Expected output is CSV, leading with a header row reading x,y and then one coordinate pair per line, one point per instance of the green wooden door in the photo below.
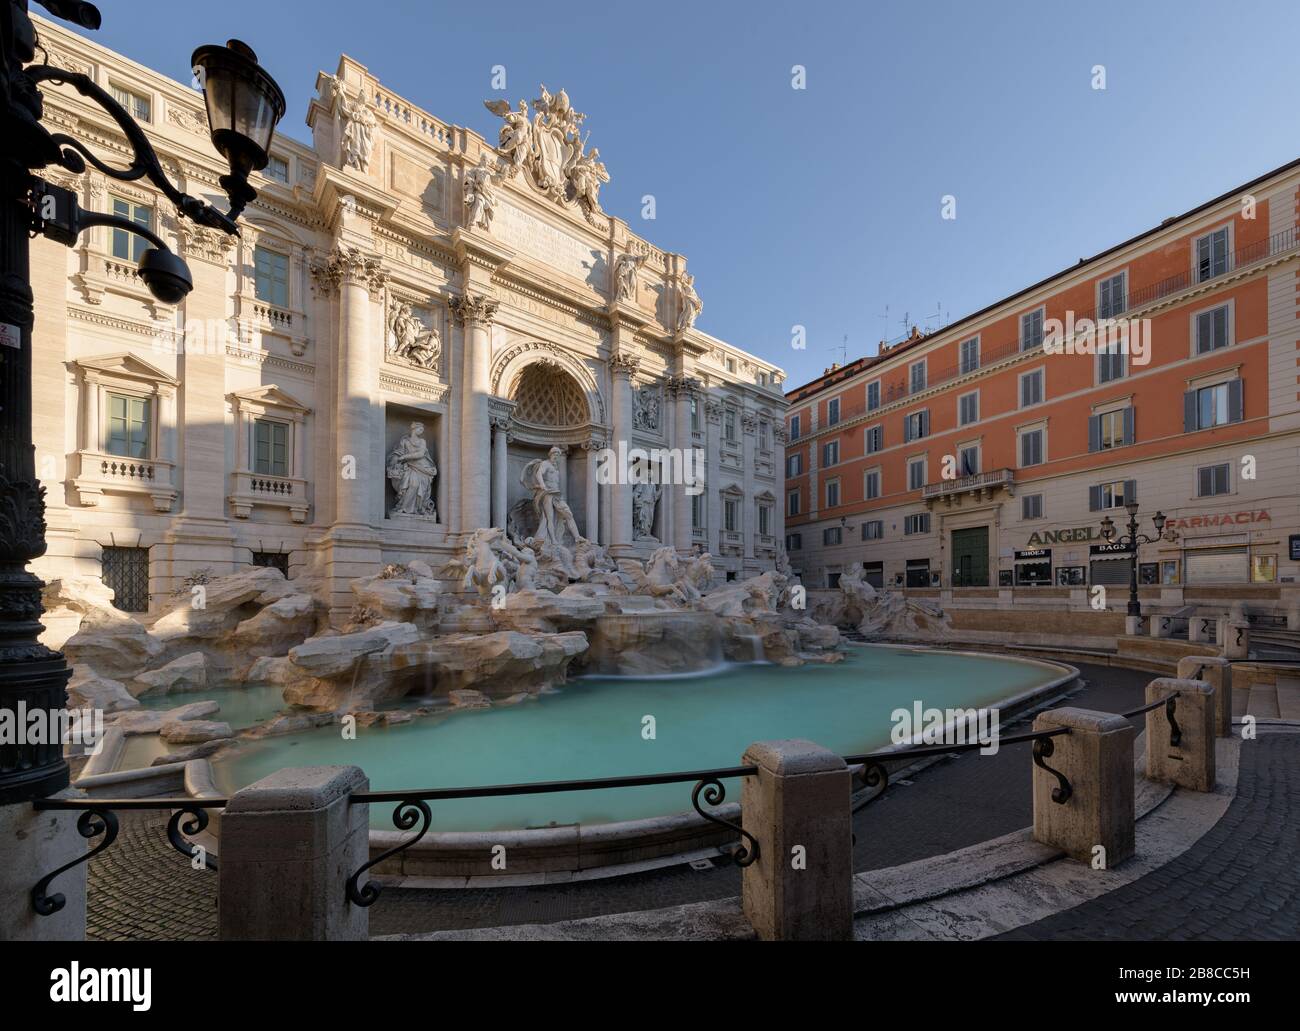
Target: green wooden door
x,y
970,557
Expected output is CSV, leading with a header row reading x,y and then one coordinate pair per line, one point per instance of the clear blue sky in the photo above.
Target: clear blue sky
x,y
822,206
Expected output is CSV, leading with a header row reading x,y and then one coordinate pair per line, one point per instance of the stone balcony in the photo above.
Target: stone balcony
x,y
977,487
251,489
101,473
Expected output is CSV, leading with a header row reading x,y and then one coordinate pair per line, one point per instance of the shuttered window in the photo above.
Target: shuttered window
x,y
1031,506
1210,406
875,439
1116,494
970,355
1031,448
1110,430
916,474
871,485
917,377
1110,364
873,395
1212,255
1213,479
1031,329
1031,388
968,409
916,426
1112,297
1212,329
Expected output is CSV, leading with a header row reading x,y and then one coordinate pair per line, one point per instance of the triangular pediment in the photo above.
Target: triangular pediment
x,y
272,396
128,365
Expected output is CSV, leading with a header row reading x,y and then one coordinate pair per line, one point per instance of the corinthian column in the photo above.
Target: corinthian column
x,y
592,528
357,274
682,389
623,366
475,314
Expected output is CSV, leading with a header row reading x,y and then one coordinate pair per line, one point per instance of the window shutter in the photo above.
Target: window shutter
x,y
1094,433
1204,331
925,423
1189,411
1129,434
1234,401
907,428
1221,326
1130,491
1094,499
1204,482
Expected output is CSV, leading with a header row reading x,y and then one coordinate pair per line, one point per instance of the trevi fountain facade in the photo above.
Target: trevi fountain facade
x,y
436,434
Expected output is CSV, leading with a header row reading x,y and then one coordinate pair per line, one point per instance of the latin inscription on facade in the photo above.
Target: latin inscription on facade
x,y
518,229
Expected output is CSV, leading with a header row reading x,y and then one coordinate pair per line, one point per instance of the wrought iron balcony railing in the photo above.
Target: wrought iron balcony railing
x,y
975,481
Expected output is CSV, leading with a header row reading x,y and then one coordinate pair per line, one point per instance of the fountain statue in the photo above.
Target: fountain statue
x,y
411,471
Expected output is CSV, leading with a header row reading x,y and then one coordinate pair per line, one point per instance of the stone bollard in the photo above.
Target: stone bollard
x,y
1200,629
1190,763
33,844
797,806
1217,672
1161,626
1133,625
1236,640
288,845
1096,757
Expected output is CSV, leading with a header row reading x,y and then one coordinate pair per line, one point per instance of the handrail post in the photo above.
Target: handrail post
x,y
33,843
1183,757
798,807
289,842
1217,672
1096,823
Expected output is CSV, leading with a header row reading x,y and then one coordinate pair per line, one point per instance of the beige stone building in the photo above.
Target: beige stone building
x,y
403,271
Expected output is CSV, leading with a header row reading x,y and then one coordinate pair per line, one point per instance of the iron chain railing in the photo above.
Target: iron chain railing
x,y
190,815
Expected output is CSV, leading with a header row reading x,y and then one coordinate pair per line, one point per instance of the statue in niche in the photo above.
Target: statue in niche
x,y
644,498
411,472
625,276
691,304
480,195
554,517
413,341
645,408
358,128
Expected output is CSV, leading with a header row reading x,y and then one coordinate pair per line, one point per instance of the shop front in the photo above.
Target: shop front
x,y
1034,567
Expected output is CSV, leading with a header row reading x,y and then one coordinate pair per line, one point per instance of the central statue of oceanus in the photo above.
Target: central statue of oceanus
x,y
555,522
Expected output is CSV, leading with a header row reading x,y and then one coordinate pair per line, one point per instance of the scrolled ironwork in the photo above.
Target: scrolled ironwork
x,y
874,775
176,833
1175,731
1043,749
406,815
714,794
90,824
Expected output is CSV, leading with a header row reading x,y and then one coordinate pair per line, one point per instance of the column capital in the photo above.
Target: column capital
x,y
624,363
470,308
348,265
682,386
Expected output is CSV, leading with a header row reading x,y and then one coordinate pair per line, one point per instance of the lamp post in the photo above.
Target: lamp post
x,y
1133,539
244,104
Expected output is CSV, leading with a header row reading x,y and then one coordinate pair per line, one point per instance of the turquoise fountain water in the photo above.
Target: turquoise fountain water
x,y
594,727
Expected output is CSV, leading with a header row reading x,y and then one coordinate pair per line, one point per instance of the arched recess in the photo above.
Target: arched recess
x,y
512,363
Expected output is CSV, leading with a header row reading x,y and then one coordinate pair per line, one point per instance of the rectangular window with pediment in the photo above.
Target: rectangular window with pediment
x,y
270,447
126,245
128,426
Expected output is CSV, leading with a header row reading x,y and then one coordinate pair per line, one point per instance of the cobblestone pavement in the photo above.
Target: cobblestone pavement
x,y
141,888
1240,881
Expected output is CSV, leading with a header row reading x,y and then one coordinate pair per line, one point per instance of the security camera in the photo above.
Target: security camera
x,y
166,275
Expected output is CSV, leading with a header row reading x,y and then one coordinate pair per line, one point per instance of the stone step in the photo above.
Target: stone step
x,y
1288,698
1263,701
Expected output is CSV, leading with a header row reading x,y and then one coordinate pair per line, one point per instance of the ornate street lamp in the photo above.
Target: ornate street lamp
x,y
1133,539
244,104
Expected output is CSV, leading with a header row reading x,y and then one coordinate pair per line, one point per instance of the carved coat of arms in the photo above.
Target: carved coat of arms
x,y
550,150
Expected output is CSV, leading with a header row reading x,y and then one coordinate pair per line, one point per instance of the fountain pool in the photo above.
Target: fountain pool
x,y
597,727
